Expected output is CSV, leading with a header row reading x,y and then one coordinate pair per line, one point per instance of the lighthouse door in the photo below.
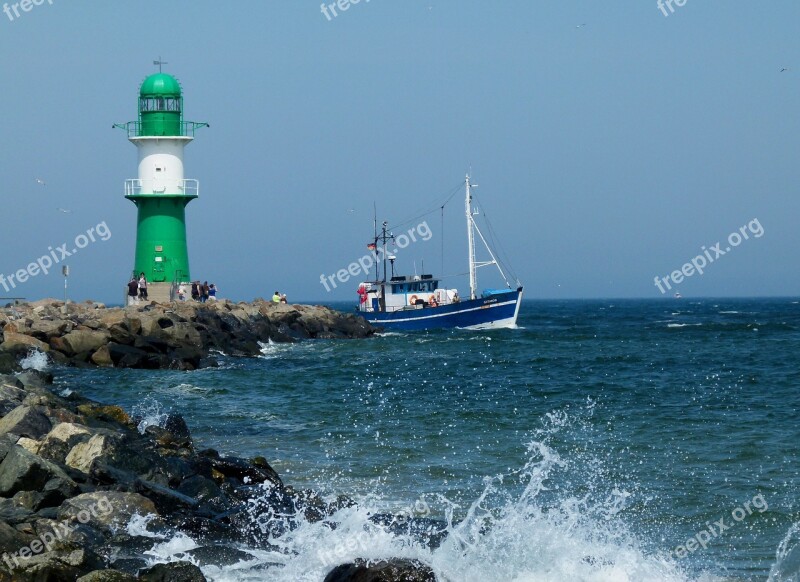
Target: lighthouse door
x,y
159,266
158,180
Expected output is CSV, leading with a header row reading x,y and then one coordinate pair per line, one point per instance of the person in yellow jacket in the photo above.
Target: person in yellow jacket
x,y
276,298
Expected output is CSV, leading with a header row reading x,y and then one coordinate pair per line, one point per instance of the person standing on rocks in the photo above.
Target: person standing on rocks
x,y
133,291
212,291
276,298
196,290
204,292
142,287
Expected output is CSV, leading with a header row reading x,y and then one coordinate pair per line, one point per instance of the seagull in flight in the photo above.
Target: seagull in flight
x,y
581,25
64,210
784,69
40,181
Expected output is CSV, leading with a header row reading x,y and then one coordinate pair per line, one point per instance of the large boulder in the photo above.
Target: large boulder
x,y
125,356
65,564
106,510
18,343
8,363
84,454
61,439
11,540
394,570
21,470
7,441
183,333
172,572
85,341
11,394
44,329
102,357
28,421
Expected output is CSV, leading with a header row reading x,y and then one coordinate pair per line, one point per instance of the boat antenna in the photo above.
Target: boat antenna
x,y
383,236
441,235
375,233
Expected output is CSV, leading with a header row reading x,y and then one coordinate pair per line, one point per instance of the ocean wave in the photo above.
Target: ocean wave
x,y
518,527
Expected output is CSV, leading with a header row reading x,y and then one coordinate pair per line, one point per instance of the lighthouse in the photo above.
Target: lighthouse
x,y
161,192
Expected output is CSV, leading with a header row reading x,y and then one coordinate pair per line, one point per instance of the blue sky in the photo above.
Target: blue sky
x,y
607,154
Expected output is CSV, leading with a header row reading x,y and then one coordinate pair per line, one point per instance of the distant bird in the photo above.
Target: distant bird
x,y
40,181
64,210
581,25
351,210
784,69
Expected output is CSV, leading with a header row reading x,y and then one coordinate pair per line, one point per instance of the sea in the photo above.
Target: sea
x,y
603,440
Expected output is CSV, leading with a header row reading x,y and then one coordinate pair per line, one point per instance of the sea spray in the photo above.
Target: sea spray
x,y
787,558
150,412
35,360
529,524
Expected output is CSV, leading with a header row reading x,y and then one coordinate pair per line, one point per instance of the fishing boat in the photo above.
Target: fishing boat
x,y
420,302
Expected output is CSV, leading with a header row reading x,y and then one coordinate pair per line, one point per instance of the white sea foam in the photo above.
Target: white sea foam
x,y
137,526
166,550
35,360
151,412
787,563
519,528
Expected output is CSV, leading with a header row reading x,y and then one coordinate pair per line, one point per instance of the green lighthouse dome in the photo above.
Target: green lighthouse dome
x,y
160,106
160,85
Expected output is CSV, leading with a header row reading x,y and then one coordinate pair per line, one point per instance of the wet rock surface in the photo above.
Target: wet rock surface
x,y
84,495
396,570
179,335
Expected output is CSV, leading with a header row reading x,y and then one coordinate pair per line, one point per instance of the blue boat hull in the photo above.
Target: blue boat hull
x,y
493,312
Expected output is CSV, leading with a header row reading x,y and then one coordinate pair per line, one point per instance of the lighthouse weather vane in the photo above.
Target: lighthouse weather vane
x,y
159,62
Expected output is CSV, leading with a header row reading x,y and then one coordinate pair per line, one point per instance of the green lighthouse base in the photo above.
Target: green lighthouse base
x,y
161,250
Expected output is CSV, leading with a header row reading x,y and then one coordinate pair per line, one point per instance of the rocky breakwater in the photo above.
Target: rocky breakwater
x,y
181,335
86,491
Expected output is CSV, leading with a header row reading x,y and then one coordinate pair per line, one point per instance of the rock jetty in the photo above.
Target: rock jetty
x,y
74,475
180,335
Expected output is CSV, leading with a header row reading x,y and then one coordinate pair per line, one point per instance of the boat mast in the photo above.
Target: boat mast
x,y
473,283
384,237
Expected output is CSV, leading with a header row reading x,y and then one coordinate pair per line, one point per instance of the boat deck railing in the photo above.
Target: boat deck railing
x,y
366,308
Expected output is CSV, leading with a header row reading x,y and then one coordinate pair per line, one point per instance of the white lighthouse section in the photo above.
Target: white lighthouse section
x,y
161,167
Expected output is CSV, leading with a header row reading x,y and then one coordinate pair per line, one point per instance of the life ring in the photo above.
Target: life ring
x,y
432,301
413,300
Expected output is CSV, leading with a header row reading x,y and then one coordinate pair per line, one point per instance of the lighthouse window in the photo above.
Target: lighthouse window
x,y
172,104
